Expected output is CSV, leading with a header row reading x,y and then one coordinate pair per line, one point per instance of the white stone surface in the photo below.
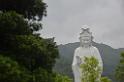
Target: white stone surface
x,y
85,50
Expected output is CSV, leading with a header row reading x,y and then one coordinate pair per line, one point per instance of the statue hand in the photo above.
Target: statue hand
x,y
78,60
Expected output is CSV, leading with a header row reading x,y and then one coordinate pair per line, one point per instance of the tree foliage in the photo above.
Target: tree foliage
x,y
91,71
20,43
105,79
41,75
10,71
28,8
62,78
38,51
120,69
11,24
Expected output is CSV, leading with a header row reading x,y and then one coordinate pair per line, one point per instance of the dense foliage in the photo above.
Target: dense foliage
x,y
24,55
105,79
27,48
10,71
91,71
120,69
28,8
41,75
62,78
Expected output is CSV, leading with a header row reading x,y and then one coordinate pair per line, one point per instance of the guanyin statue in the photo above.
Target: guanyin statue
x,y
84,50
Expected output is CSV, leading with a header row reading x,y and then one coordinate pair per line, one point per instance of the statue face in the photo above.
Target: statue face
x,y
85,40
86,37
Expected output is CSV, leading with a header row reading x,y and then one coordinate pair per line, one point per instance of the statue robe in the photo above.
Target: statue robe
x,y
82,52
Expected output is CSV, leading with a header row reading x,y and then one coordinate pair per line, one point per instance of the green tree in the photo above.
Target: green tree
x,y
91,71
41,75
105,79
11,24
120,69
31,9
20,42
62,78
10,71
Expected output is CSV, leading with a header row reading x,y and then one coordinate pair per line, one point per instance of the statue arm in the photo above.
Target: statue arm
x,y
75,67
74,59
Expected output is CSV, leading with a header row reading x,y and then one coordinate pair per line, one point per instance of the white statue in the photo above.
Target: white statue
x,y
85,50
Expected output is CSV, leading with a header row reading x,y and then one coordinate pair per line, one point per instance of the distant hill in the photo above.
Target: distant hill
x,y
109,55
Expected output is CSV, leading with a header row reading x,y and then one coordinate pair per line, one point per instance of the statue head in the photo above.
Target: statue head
x,y
85,37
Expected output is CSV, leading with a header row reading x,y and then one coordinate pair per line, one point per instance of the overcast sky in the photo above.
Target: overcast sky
x,y
66,18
